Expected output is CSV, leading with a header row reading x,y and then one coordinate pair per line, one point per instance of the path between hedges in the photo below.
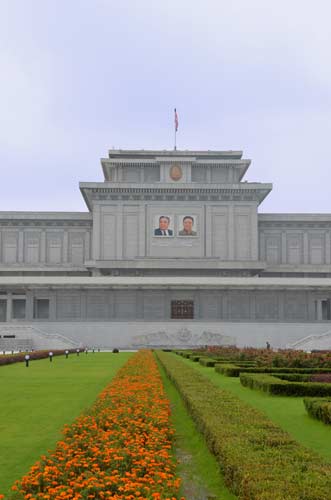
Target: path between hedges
x,y
288,412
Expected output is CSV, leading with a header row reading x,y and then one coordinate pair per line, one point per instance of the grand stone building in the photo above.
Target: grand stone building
x,y
171,251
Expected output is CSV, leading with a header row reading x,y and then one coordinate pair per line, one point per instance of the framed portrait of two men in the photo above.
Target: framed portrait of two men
x,y
169,225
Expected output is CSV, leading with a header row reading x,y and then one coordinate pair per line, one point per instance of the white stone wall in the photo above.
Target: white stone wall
x,y
35,246
126,231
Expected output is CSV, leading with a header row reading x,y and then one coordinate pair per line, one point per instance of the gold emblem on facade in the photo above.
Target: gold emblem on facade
x,y
176,172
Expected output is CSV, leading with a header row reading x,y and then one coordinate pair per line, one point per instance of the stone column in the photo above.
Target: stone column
x,y
96,232
9,306
231,233
43,247
284,252
87,242
119,232
196,305
20,246
327,256
65,253
305,248
139,303
29,305
52,305
319,309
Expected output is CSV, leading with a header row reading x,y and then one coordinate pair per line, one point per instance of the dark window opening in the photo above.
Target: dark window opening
x,y
326,309
19,308
3,310
41,309
182,309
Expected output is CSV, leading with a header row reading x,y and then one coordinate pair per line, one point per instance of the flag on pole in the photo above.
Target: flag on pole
x,y
176,120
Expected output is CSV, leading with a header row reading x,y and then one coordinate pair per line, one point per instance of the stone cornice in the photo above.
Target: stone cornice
x,y
142,153
170,192
176,263
73,216
46,219
111,163
184,283
297,217
26,223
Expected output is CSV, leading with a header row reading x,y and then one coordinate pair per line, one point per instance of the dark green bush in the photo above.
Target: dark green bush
x,y
293,377
195,357
228,370
233,370
276,386
258,459
207,362
186,354
319,409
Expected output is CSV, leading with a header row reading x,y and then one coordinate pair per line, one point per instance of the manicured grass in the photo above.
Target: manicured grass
x,y
288,412
36,402
197,466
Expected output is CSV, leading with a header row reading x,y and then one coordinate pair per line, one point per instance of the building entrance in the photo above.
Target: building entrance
x,y
182,309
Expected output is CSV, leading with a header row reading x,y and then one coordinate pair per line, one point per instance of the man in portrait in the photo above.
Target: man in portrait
x,y
163,229
188,223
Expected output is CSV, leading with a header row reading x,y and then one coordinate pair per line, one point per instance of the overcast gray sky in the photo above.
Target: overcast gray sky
x,y
82,76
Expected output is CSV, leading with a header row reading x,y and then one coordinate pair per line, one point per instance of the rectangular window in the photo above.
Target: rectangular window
x,y
41,309
19,308
3,310
182,309
326,310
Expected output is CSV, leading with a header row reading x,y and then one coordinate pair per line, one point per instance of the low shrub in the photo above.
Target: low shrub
x,y
319,408
234,370
207,362
277,386
186,354
293,377
228,370
258,459
8,359
321,377
195,357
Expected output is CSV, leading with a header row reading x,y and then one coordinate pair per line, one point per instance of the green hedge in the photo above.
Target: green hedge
x,y
319,408
276,386
195,357
258,459
294,377
207,362
229,370
186,354
234,369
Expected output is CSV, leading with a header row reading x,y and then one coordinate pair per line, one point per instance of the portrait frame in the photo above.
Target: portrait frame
x,y
159,226
188,230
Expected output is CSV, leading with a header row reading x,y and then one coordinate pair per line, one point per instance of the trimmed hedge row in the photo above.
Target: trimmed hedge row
x,y
234,370
276,386
207,362
195,357
8,359
258,459
319,409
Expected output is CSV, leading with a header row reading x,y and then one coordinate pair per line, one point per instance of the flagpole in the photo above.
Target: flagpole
x,y
176,128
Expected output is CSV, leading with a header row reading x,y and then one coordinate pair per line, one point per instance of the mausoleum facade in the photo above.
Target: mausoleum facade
x,y
172,250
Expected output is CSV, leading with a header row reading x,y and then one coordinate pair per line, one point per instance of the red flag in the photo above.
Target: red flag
x,y
176,120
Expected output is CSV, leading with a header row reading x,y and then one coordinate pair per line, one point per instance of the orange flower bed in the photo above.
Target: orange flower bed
x,y
120,449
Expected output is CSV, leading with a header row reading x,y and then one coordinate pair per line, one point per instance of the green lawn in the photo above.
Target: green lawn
x,y
198,468
36,402
288,412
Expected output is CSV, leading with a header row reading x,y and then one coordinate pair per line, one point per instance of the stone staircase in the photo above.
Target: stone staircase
x,y
29,337
311,342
